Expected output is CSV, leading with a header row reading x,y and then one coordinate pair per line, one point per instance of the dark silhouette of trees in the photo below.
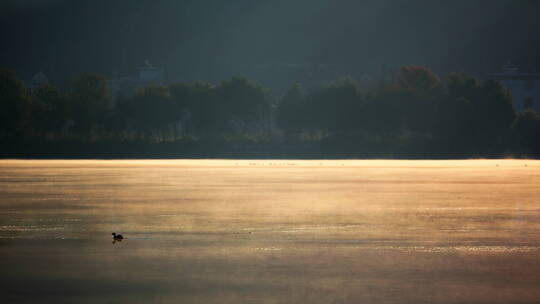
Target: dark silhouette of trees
x,y
338,107
419,90
477,116
204,116
461,116
90,103
418,79
49,110
181,95
334,109
495,113
197,109
526,133
384,113
413,114
152,112
290,116
14,105
242,103
455,116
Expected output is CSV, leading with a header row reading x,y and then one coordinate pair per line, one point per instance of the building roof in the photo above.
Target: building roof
x,y
510,71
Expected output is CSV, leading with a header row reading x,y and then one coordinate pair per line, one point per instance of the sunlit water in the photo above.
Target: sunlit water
x,y
245,231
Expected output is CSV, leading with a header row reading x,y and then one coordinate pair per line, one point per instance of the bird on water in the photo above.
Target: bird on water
x,y
117,237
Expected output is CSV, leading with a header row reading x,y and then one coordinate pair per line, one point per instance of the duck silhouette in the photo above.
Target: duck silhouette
x,y
117,237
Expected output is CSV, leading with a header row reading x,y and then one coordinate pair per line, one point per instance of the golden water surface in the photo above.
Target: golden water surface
x,y
270,231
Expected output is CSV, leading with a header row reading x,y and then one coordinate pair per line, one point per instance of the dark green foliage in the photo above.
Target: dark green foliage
x,y
89,103
215,111
241,99
180,95
50,110
198,109
413,115
204,110
241,104
462,117
332,109
384,115
526,133
290,106
495,109
475,115
419,90
417,79
153,108
13,105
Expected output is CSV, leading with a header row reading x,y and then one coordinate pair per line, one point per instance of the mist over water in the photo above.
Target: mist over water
x,y
272,231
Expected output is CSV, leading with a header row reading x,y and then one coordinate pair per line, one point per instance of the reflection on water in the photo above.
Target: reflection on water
x,y
276,231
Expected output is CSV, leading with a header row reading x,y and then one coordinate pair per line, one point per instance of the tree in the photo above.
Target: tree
x,y
241,102
119,121
152,110
90,102
344,107
526,132
454,121
13,103
336,108
291,111
417,79
49,110
496,108
384,112
181,95
205,113
419,90
460,85
476,116
455,128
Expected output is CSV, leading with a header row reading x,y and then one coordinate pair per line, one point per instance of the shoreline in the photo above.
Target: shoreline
x,y
223,150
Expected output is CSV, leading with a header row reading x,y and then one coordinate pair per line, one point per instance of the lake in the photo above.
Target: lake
x,y
270,231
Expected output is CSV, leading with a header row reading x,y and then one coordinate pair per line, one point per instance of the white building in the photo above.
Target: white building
x,y
38,80
525,87
128,86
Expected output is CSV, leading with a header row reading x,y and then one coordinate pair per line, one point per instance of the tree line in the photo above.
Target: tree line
x,y
413,114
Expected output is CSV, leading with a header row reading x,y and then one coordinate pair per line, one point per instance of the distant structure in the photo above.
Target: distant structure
x,y
128,86
38,80
525,87
366,82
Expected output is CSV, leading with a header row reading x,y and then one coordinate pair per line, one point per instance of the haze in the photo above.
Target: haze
x,y
318,40
274,231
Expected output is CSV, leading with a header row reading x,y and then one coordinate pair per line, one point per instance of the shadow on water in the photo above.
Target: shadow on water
x,y
114,241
